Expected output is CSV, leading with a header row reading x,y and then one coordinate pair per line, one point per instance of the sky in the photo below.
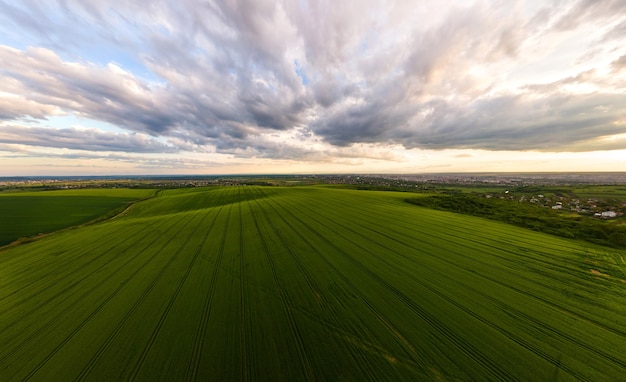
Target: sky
x,y
95,87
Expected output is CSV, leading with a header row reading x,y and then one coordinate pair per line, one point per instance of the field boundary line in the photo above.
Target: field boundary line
x,y
31,239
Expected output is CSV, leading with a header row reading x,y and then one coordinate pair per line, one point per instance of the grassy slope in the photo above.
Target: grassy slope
x,y
30,213
256,283
528,215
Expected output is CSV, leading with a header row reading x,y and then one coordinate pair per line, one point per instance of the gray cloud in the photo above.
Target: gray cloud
x,y
616,33
232,74
585,11
559,123
81,139
619,64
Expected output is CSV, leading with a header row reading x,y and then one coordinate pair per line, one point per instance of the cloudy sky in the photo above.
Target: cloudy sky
x,y
304,86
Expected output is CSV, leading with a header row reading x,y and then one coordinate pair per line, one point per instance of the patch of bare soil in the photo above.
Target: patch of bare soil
x,y
598,273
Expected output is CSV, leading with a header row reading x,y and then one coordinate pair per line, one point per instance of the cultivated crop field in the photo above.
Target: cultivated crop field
x,y
30,213
308,283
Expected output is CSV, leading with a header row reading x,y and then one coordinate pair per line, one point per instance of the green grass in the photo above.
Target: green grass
x,y
26,214
308,283
601,192
528,215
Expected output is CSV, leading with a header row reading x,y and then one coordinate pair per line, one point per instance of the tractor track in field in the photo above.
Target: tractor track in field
x,y
104,346
50,323
91,315
181,283
440,222
287,304
341,286
481,275
60,292
307,276
450,232
198,346
535,323
310,280
504,307
410,303
511,287
472,352
59,261
538,325
400,338
352,337
313,286
447,228
244,329
83,265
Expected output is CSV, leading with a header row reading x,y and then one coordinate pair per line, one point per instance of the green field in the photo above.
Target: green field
x,y
30,213
601,192
308,283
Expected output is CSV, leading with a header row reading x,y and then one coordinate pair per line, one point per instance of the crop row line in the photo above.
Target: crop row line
x,y
460,344
198,346
538,324
96,357
310,280
449,230
245,329
84,322
174,297
425,243
63,291
471,351
54,321
550,303
437,219
410,350
286,302
62,263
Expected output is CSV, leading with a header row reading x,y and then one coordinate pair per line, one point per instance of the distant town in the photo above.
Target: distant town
x,y
405,180
521,187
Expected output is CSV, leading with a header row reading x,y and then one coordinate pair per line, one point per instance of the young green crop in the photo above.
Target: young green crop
x,y
308,283
26,214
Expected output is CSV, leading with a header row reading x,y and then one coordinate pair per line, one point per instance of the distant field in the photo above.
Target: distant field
x,y
308,283
601,192
30,213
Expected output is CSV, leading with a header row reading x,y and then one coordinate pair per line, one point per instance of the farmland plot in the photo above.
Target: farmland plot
x,y
308,283
30,213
